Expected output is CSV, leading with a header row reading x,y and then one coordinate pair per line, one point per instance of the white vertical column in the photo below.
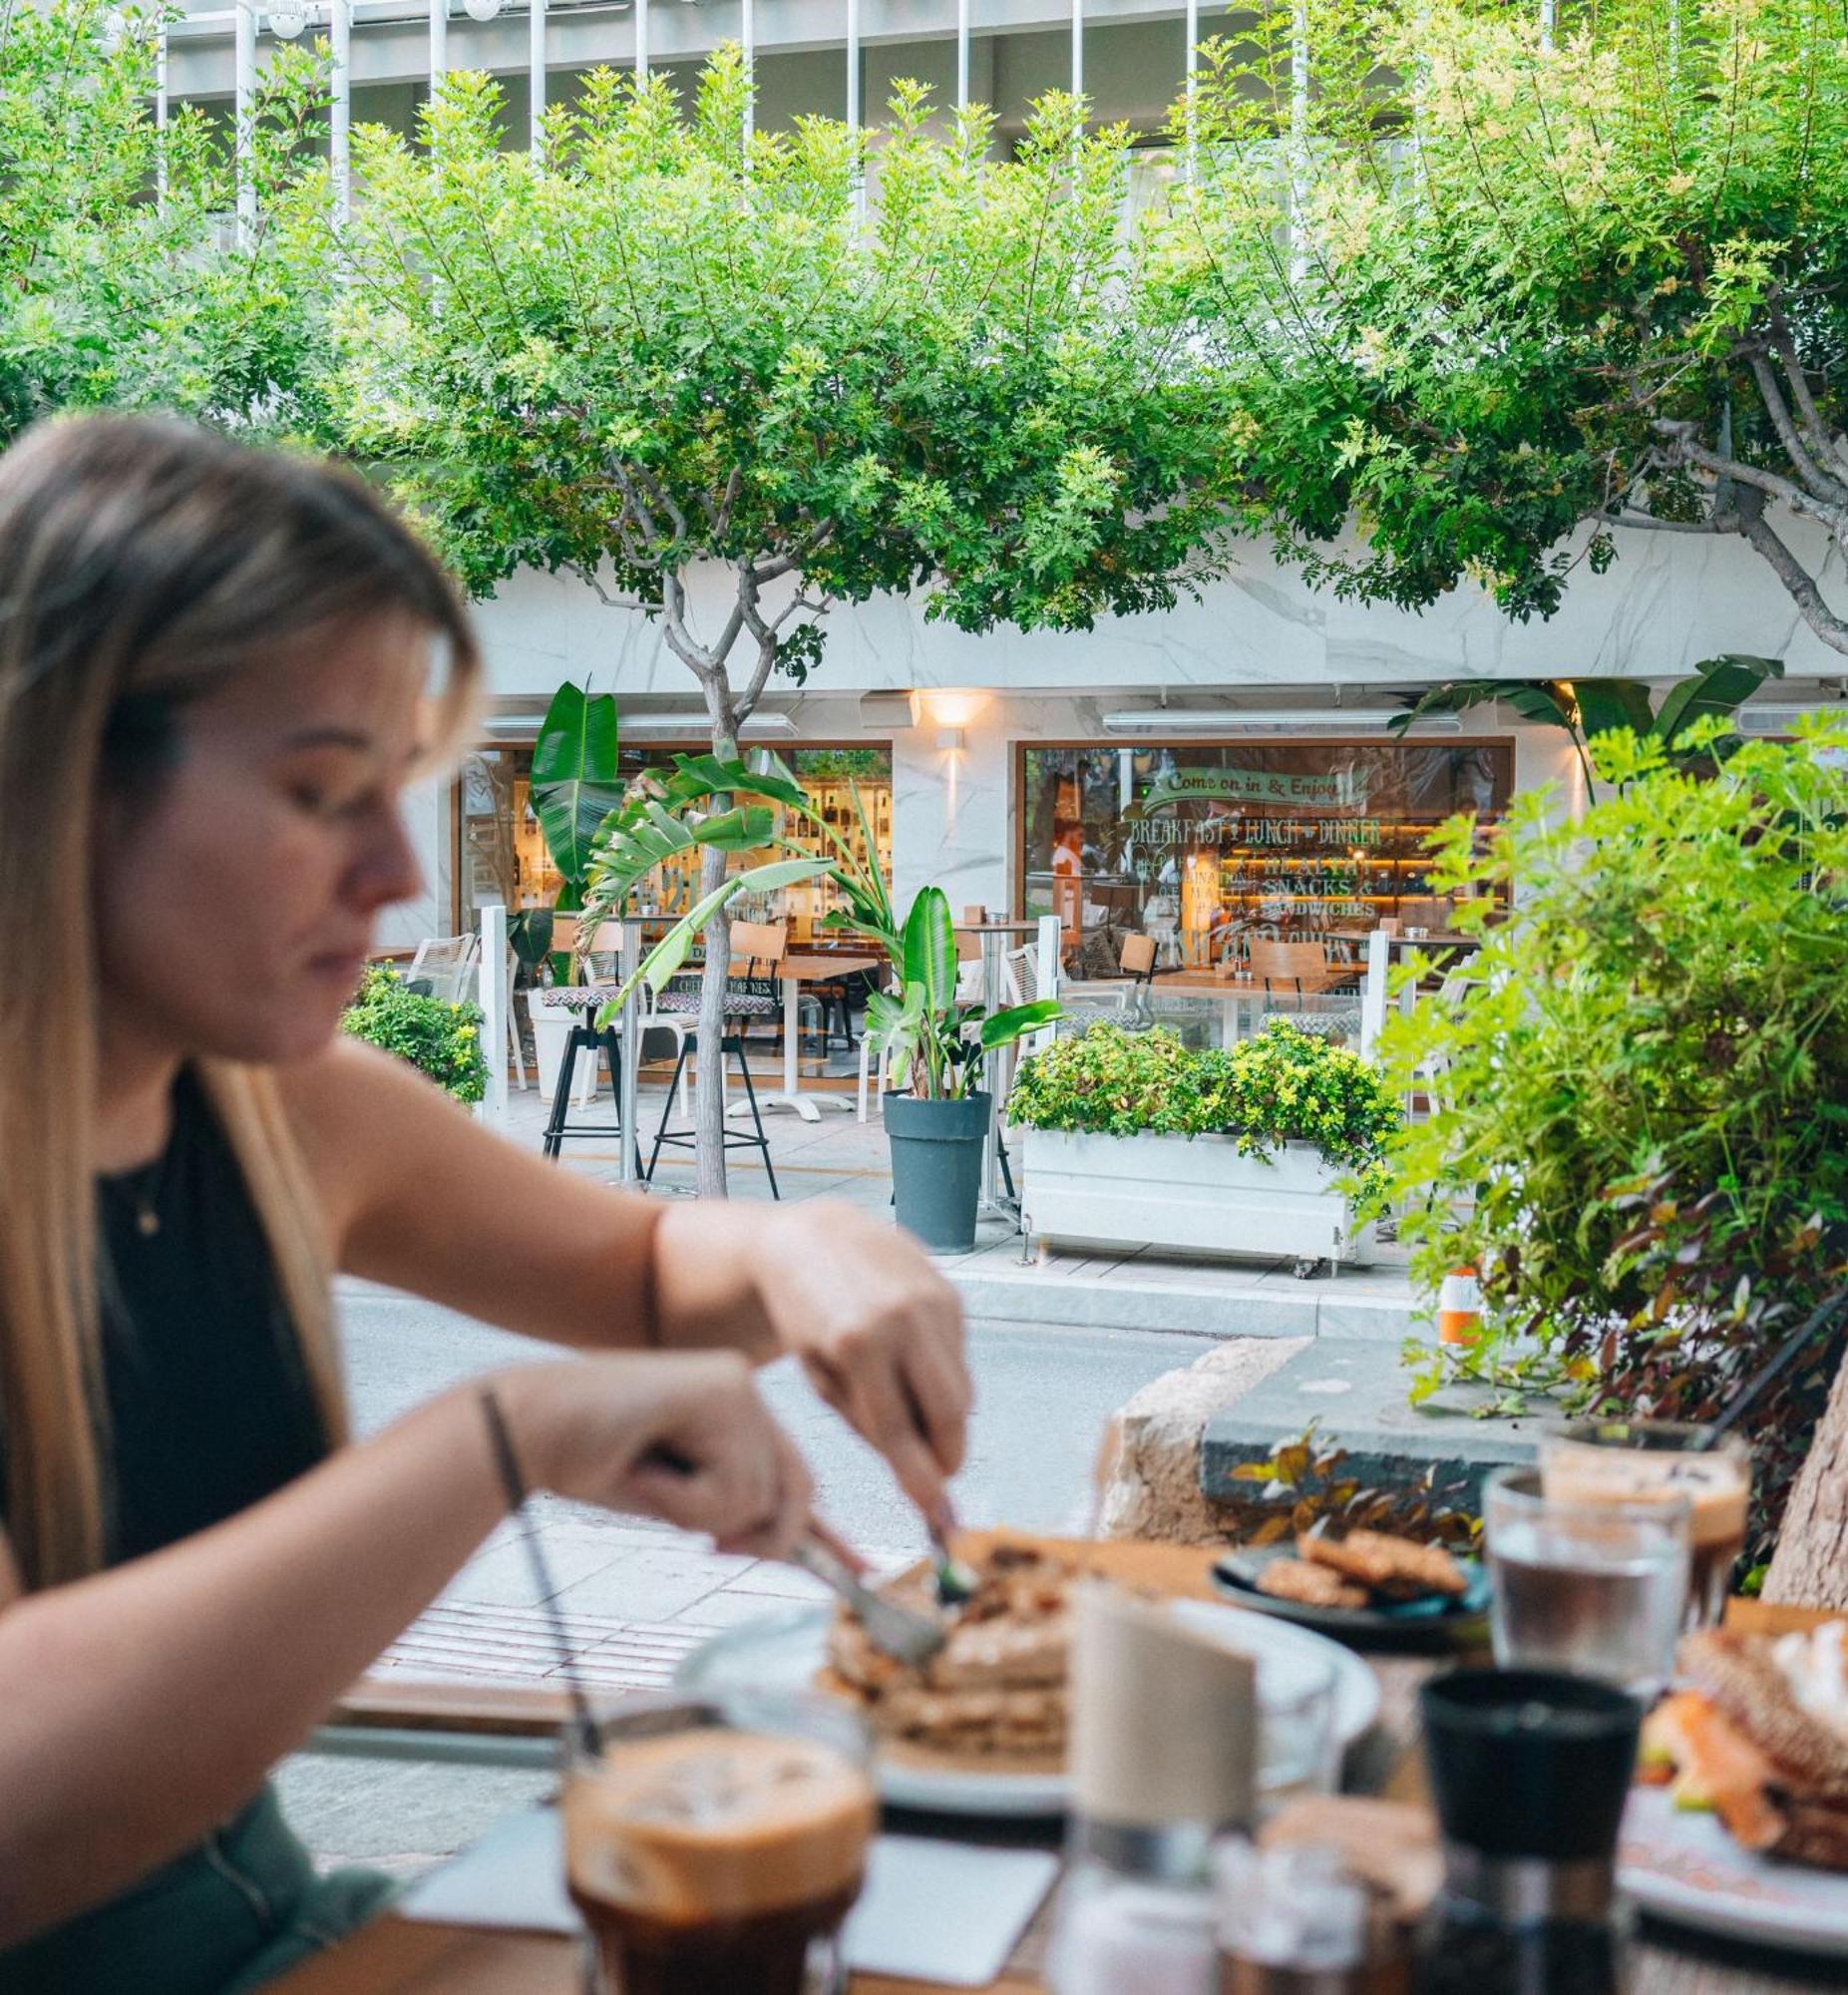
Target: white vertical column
x,y
962,55
641,39
438,45
1077,48
493,1001
1549,20
536,78
853,65
1374,993
1192,31
1049,941
340,111
244,114
747,35
159,116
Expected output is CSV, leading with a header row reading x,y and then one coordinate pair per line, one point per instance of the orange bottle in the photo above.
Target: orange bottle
x,y
1459,1308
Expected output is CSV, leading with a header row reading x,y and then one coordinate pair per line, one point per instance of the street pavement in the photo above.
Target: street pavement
x,y
634,1597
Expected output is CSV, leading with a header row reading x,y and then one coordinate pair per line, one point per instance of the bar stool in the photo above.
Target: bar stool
x,y
753,995
586,1037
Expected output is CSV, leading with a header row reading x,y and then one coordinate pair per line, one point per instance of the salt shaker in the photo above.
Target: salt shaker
x,y
1163,1758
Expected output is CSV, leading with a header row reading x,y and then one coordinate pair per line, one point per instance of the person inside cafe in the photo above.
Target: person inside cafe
x,y
220,670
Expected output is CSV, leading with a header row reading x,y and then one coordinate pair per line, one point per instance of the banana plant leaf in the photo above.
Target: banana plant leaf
x,y
1001,1029
1719,686
697,776
575,778
665,959
1604,704
1531,700
930,949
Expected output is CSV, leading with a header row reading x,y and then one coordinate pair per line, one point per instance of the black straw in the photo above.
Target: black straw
x,y
1781,1361
514,1485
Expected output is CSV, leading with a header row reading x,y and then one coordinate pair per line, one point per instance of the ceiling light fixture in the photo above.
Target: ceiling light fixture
x,y
288,20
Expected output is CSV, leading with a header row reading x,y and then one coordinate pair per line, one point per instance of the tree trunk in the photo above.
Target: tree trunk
x,y
1810,1565
709,1095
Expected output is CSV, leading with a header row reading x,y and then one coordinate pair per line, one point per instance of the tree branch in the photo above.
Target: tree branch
x,y
613,602
1649,524
1831,628
1822,483
1681,436
779,564
1833,445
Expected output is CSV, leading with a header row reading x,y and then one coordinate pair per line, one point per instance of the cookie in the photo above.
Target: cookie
x,y
1394,1568
1309,1585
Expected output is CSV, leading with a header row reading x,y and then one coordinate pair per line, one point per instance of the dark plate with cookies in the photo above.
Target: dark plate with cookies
x,y
1368,1588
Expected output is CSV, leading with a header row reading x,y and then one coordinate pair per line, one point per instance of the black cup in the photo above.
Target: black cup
x,y
1530,1763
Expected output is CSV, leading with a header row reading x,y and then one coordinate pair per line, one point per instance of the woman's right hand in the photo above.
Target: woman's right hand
x,y
681,1437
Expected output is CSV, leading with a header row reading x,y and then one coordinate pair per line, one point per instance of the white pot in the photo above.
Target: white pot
x,y
551,1030
1193,1194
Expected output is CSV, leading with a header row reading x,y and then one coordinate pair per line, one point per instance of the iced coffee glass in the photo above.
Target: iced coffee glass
x,y
716,1845
1643,1461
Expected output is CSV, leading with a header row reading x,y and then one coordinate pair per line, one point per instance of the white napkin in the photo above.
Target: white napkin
x,y
937,1912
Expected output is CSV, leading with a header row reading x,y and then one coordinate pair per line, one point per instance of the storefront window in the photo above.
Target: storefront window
x,y
1207,847
504,857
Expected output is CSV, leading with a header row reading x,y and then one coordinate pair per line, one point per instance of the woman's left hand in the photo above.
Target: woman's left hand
x,y
878,1332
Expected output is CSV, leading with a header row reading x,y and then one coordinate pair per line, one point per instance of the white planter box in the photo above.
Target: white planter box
x,y
1191,1194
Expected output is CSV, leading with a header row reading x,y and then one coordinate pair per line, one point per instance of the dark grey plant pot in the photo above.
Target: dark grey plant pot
x,y
936,1167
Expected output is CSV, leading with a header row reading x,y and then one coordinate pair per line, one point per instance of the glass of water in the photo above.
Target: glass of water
x,y
1597,1588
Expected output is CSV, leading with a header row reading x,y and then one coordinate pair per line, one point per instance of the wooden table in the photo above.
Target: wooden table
x,y
797,967
397,1956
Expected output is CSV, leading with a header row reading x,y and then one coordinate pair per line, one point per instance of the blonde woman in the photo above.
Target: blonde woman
x,y
215,679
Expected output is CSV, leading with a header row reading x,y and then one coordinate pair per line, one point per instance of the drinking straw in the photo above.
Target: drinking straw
x,y
506,1462
1781,1361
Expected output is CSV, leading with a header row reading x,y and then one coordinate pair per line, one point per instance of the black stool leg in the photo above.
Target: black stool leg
x,y
613,1047
561,1096
667,1108
763,1141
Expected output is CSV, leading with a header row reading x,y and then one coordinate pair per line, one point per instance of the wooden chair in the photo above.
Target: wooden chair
x,y
1301,967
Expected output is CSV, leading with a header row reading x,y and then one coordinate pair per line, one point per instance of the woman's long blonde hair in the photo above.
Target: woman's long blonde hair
x,y
142,563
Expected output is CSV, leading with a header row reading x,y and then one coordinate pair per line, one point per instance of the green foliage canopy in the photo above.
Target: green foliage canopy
x,y
1480,285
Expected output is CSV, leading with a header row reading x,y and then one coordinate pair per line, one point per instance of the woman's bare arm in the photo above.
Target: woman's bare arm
x,y
141,1707
420,1195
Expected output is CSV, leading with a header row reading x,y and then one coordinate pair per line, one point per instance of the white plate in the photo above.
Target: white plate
x,y
1685,1867
783,1651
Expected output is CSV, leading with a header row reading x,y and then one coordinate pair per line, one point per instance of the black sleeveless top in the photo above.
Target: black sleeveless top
x,y
210,1403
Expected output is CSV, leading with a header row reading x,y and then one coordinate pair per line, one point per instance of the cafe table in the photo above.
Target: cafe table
x,y
399,1956
797,967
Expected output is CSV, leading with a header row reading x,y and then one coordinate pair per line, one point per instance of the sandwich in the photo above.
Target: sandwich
x,y
1759,1735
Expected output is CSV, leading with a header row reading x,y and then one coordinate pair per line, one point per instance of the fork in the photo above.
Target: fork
x,y
912,1639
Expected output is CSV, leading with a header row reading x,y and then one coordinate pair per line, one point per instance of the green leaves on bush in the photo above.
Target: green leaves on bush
x,y
1638,1127
1284,1085
440,1040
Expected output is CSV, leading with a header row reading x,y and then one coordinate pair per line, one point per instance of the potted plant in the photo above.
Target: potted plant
x,y
1263,1148
576,787
939,1048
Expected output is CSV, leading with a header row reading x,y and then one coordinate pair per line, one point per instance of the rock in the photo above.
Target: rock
x,y
1148,1473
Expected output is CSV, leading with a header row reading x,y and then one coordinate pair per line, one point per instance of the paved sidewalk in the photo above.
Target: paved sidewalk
x,y
841,1157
